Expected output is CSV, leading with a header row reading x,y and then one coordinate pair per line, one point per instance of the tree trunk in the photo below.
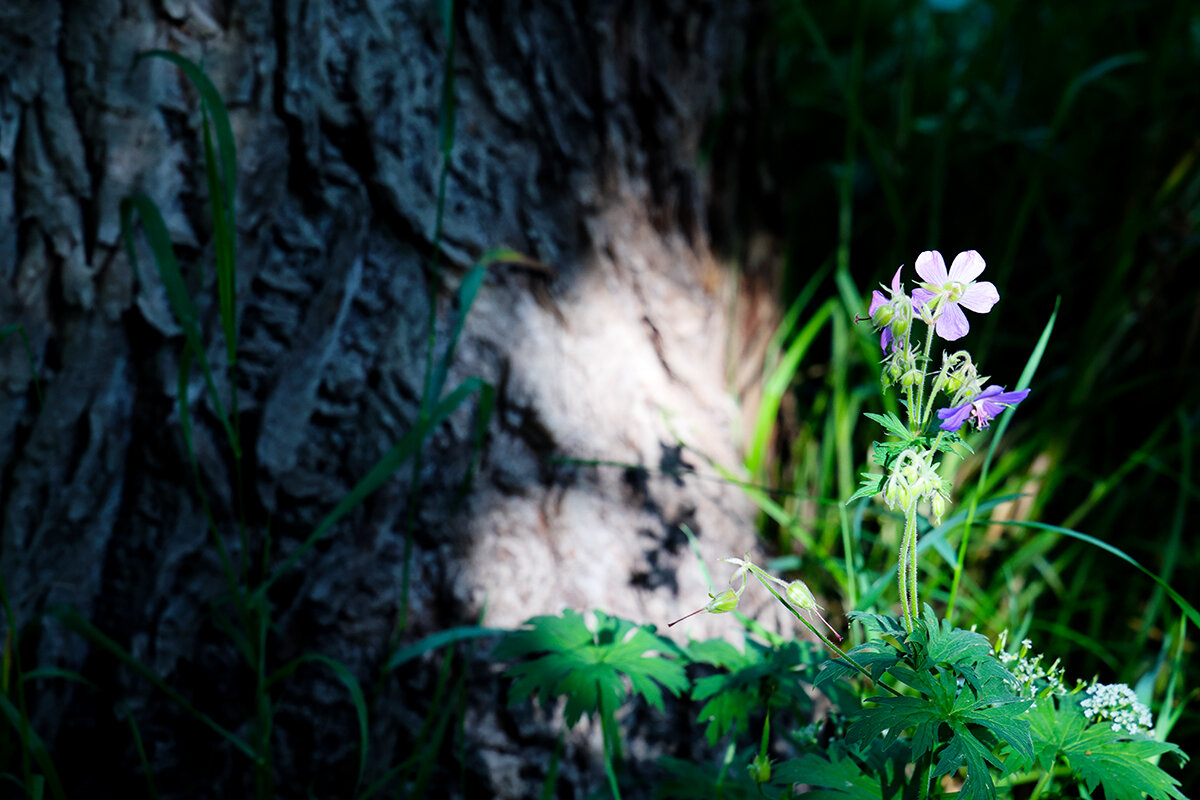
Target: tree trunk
x,y
578,144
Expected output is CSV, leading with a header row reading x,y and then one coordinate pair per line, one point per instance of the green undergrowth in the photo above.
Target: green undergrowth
x,y
937,712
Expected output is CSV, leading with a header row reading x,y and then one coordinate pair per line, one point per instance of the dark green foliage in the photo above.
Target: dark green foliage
x,y
727,780
839,775
1115,760
760,679
963,693
589,665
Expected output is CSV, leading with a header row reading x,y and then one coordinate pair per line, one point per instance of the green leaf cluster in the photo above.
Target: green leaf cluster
x,y
759,679
884,453
1119,762
590,664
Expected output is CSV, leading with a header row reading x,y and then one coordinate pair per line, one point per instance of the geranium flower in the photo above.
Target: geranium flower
x,y
880,301
982,409
945,292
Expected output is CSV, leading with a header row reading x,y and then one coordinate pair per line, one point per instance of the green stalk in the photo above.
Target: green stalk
x,y
908,569
922,414
767,579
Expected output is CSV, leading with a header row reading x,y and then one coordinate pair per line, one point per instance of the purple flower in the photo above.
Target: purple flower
x,y
878,301
956,288
982,408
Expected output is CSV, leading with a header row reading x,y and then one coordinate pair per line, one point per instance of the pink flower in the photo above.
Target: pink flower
x,y
944,293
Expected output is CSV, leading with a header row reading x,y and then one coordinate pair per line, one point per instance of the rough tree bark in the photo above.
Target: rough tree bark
x,y
579,131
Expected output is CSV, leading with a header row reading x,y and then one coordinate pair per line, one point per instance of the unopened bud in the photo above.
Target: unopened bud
x,y
759,769
800,596
938,506
723,602
882,316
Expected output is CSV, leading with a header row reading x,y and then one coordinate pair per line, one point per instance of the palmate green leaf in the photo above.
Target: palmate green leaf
x,y
690,779
968,652
892,424
588,666
761,678
963,690
838,777
877,655
872,484
1100,756
958,708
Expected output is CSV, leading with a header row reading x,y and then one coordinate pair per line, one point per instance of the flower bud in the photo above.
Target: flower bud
x,y
938,506
723,602
912,377
799,595
759,769
882,316
900,326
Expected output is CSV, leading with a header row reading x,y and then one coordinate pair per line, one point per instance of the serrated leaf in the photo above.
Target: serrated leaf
x,y
892,424
842,777
872,484
1114,760
690,779
589,667
963,689
762,678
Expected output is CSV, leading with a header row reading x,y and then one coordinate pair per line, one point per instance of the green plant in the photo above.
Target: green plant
x,y
589,665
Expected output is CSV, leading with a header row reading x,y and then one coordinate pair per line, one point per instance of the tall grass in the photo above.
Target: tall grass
x,y
1060,143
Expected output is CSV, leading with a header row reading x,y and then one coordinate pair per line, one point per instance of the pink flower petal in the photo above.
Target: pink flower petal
x,y
920,297
877,300
932,267
967,266
896,280
980,297
952,324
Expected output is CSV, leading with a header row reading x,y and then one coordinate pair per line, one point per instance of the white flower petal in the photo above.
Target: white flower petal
x,y
932,267
967,266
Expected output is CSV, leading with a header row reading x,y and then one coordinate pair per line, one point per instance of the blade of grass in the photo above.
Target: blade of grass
x,y
37,748
141,751
776,385
75,622
383,469
352,686
436,641
177,294
1184,606
1035,358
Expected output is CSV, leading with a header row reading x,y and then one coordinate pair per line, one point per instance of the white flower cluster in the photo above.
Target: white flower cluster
x,y
1117,703
1033,679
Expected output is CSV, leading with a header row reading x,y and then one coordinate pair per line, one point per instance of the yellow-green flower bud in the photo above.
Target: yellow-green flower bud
x,y
882,316
938,506
799,595
900,326
723,602
759,769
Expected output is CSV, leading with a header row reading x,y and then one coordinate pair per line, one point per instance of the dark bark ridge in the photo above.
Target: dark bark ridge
x,y
578,136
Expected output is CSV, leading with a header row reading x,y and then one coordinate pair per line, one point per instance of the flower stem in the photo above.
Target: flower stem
x,y
908,569
920,413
